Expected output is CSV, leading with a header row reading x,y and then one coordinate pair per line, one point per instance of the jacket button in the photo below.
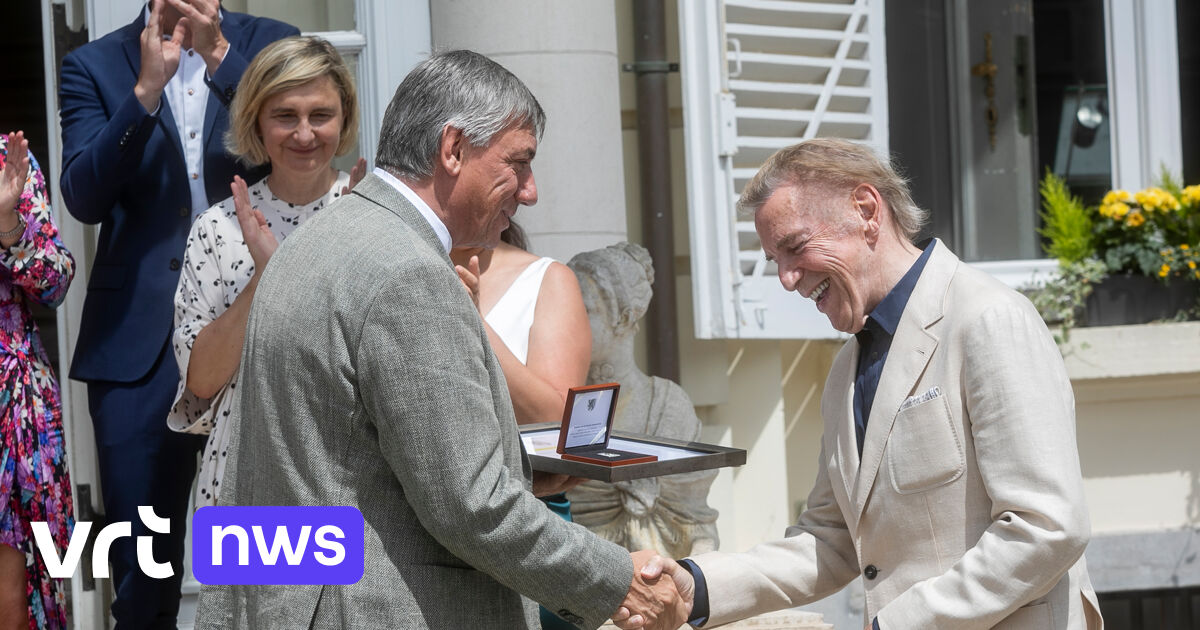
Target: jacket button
x,y
229,93
870,572
184,211
175,267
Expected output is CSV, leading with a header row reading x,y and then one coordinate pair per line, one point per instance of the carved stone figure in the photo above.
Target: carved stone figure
x,y
669,514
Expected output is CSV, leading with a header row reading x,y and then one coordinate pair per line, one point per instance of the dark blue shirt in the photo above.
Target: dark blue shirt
x,y
874,342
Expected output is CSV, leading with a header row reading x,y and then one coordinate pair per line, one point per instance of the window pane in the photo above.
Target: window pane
x,y
1072,95
1188,16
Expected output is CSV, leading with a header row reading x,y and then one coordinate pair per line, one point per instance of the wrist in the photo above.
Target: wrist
x,y
11,229
147,97
9,217
214,57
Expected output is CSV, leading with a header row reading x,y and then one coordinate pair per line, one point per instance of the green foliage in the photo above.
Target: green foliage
x,y
1060,300
1167,181
1068,224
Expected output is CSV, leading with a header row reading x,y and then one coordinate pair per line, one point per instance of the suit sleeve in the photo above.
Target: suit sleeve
x,y
1021,408
815,559
102,150
224,82
424,381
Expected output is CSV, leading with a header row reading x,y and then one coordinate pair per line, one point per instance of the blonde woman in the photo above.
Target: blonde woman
x,y
295,109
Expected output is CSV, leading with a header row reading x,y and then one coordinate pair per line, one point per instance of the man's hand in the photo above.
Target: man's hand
x,y
160,58
654,603
546,484
684,582
258,236
203,19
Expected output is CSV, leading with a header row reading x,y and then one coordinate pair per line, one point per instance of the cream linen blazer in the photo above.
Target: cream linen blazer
x,y
966,509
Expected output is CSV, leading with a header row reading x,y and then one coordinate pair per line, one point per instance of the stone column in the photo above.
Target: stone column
x,y
566,52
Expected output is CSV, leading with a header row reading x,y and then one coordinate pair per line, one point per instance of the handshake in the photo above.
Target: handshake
x,y
660,597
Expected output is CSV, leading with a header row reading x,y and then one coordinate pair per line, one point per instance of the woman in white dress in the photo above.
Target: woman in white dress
x,y
536,322
296,109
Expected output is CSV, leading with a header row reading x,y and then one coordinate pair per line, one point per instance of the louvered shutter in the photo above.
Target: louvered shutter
x,y
759,75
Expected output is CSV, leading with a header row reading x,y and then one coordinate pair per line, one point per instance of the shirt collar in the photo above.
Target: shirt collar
x,y
886,315
439,228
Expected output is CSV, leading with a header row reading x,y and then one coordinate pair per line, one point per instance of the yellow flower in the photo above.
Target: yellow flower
x,y
1184,247
1163,271
1155,198
1191,194
1115,211
1135,219
1191,264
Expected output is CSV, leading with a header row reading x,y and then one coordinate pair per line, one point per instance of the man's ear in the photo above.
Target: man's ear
x,y
450,149
868,203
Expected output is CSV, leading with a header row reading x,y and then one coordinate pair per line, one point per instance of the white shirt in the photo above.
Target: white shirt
x,y
439,228
188,94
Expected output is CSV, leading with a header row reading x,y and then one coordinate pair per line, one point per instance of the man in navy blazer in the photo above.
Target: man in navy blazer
x,y
128,166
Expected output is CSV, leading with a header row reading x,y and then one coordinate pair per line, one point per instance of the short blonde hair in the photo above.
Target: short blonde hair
x,y
837,163
281,66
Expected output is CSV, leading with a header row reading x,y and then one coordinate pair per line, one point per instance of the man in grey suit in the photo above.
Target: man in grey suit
x,y
369,382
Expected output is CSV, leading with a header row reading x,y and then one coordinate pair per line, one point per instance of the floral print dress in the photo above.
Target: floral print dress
x,y
34,483
216,267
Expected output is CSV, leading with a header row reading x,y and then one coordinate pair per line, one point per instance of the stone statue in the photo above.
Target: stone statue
x,y
669,514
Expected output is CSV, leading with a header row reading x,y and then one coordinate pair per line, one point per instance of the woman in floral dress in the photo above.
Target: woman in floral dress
x,y
34,484
295,109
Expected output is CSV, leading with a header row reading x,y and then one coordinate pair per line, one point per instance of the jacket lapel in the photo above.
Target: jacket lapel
x,y
842,373
912,348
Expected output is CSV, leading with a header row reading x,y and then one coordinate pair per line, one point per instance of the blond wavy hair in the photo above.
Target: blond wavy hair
x,y
281,66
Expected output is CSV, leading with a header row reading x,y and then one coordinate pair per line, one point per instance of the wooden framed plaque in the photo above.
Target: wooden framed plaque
x,y
587,428
674,456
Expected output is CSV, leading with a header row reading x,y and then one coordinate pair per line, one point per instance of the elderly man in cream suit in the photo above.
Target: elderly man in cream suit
x,y
949,475
368,381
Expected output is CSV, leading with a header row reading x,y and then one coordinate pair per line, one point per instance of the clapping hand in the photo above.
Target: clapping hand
x,y
356,175
655,603
160,58
469,276
259,239
16,171
202,19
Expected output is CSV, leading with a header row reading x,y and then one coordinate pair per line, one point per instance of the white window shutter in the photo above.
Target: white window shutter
x,y
759,75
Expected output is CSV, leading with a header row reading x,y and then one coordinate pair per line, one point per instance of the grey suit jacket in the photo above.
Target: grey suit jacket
x,y
368,381
966,509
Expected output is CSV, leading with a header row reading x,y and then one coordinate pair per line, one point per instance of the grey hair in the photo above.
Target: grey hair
x,y
459,88
838,163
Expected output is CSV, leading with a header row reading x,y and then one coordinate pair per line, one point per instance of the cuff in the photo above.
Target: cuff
x,y
700,598
875,624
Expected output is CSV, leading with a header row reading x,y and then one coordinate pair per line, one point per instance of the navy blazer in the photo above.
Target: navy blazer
x,y
124,169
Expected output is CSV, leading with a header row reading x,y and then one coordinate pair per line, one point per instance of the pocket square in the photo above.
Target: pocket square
x,y
930,394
